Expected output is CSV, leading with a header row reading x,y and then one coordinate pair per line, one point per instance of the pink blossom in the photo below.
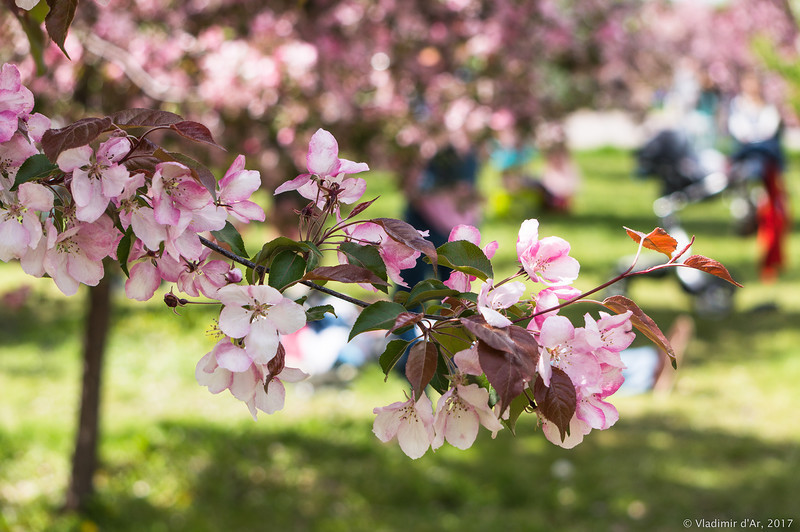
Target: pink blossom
x,y
20,227
203,276
96,178
235,189
548,298
491,300
326,178
143,281
560,346
259,314
467,361
546,260
259,386
577,430
77,254
176,194
609,335
15,101
13,153
459,280
396,256
411,422
459,414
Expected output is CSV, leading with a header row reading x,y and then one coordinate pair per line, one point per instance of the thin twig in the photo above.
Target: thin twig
x,y
314,286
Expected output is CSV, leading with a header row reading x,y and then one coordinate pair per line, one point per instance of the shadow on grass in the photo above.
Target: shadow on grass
x,y
646,474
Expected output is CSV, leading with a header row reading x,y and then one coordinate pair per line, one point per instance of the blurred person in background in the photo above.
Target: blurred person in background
x,y
756,127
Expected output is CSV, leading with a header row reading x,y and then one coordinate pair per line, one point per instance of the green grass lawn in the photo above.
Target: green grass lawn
x,y
725,444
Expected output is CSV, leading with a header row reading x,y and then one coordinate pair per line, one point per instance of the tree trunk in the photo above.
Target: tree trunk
x,y
84,461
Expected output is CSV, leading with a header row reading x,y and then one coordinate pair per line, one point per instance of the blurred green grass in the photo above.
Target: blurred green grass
x,y
724,444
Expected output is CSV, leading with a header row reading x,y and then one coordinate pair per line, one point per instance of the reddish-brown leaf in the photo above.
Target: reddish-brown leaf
x,y
641,321
421,365
658,240
138,117
494,337
507,372
58,21
361,207
80,133
404,319
557,402
406,234
275,365
195,131
344,273
711,266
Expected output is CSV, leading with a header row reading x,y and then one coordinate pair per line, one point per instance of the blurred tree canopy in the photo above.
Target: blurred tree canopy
x,y
394,80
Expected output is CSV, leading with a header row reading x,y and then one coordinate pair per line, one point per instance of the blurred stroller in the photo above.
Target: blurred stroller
x,y
686,177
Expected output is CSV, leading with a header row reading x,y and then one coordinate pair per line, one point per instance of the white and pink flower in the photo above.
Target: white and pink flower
x,y
546,260
259,314
411,422
326,178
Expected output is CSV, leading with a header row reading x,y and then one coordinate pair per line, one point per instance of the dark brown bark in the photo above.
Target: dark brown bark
x,y
84,460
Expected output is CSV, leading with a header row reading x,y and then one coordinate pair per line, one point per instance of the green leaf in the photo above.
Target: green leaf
x,y
366,257
466,257
273,247
231,236
34,167
124,250
518,405
380,315
394,350
314,255
317,313
287,268
427,290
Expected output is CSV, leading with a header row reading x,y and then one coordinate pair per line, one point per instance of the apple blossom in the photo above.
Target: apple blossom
x,y
560,346
491,299
325,181
411,422
235,189
96,178
259,314
16,100
459,414
20,227
546,260
396,256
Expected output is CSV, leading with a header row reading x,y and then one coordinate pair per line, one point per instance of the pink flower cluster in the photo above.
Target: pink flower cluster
x,y
460,412
68,240
248,360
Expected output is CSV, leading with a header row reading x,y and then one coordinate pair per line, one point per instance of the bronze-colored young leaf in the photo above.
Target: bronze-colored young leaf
x,y
421,365
557,402
59,19
404,319
711,266
506,372
195,131
77,134
406,234
642,322
657,240
139,117
344,273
